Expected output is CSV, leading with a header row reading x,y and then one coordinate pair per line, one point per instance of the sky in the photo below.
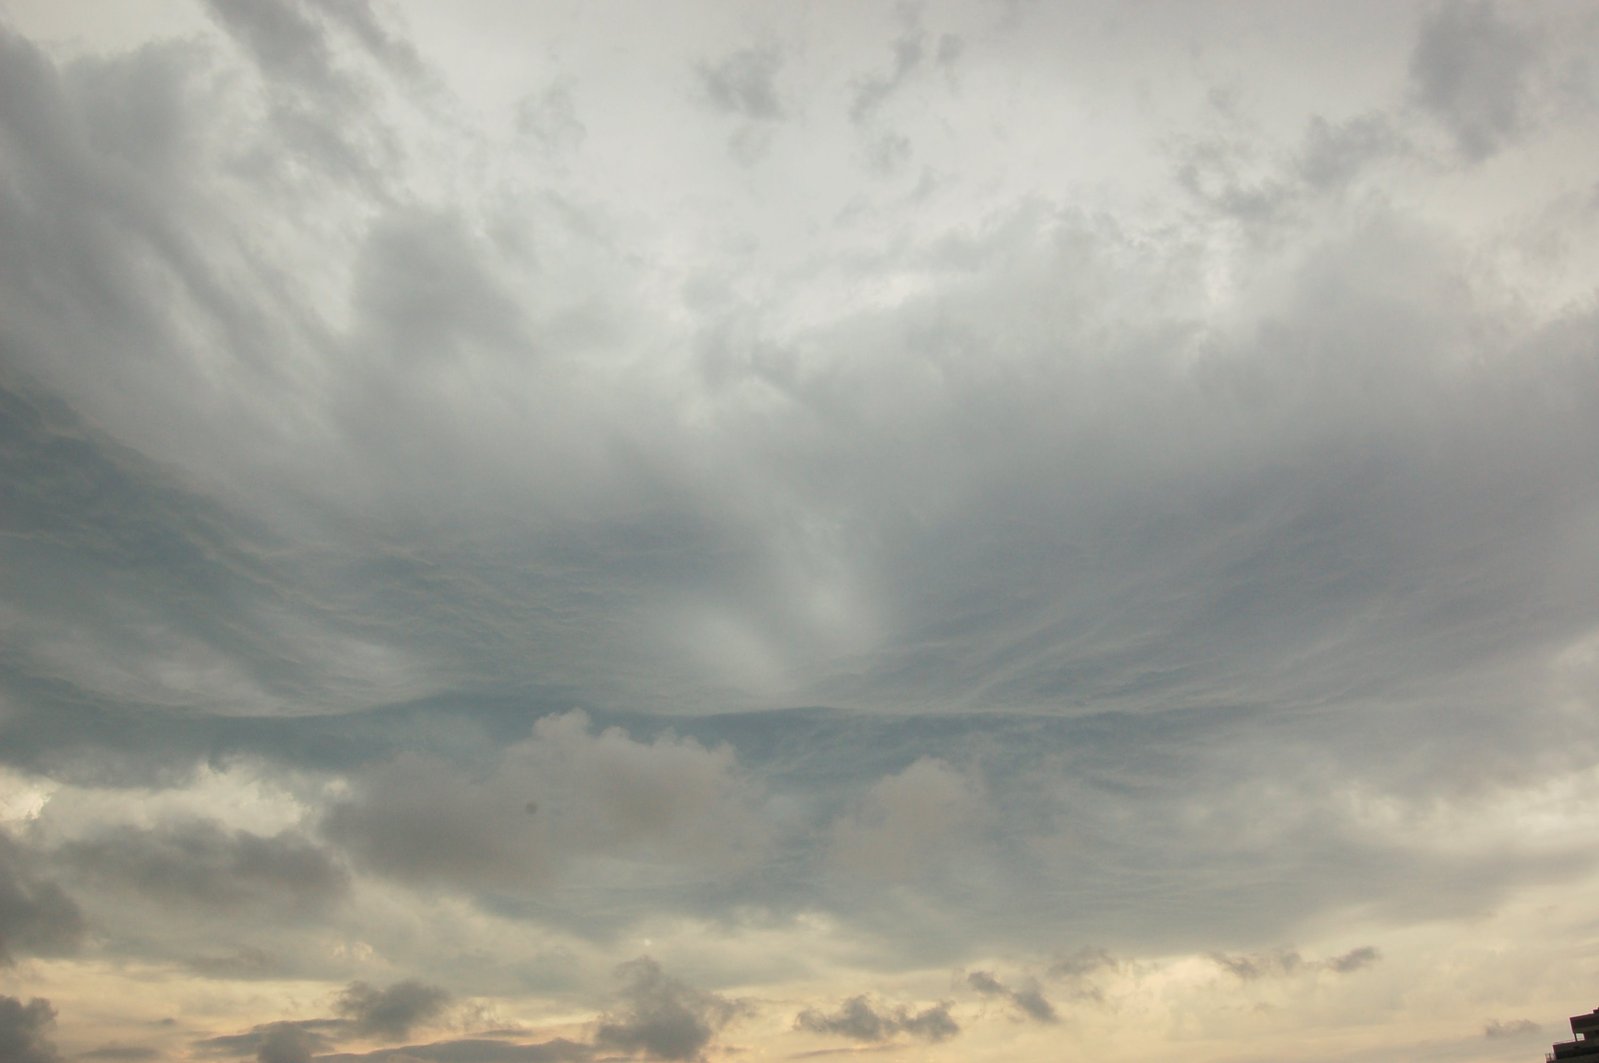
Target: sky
x,y
971,531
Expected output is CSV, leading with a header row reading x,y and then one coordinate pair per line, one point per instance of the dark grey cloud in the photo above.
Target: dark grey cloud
x,y
861,1018
661,1016
201,865
24,1031
286,1044
394,1012
1029,999
744,83
1471,69
37,918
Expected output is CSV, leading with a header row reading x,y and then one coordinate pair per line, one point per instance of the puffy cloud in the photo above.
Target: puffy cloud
x,y
23,1030
661,1016
393,1012
560,796
907,821
861,1018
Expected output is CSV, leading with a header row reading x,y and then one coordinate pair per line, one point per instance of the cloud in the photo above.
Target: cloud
x,y
37,918
130,1053
277,1042
22,1031
1354,959
559,796
872,93
862,1019
393,1012
1029,1000
1285,963
907,821
661,1016
202,864
1470,69
1497,1030
471,1050
744,83
286,1044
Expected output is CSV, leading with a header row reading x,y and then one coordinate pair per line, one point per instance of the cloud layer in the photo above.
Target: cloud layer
x,y
1056,526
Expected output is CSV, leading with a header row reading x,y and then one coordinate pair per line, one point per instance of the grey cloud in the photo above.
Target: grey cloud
x,y
1085,961
662,1016
1354,959
1249,968
37,918
1284,963
862,1019
1497,1030
24,1029
282,38
285,1044
1029,1000
745,83
551,119
393,1012
423,287
365,26
871,93
200,864
1332,154
1470,69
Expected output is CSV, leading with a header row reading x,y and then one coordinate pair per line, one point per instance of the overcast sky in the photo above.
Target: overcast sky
x,y
990,531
